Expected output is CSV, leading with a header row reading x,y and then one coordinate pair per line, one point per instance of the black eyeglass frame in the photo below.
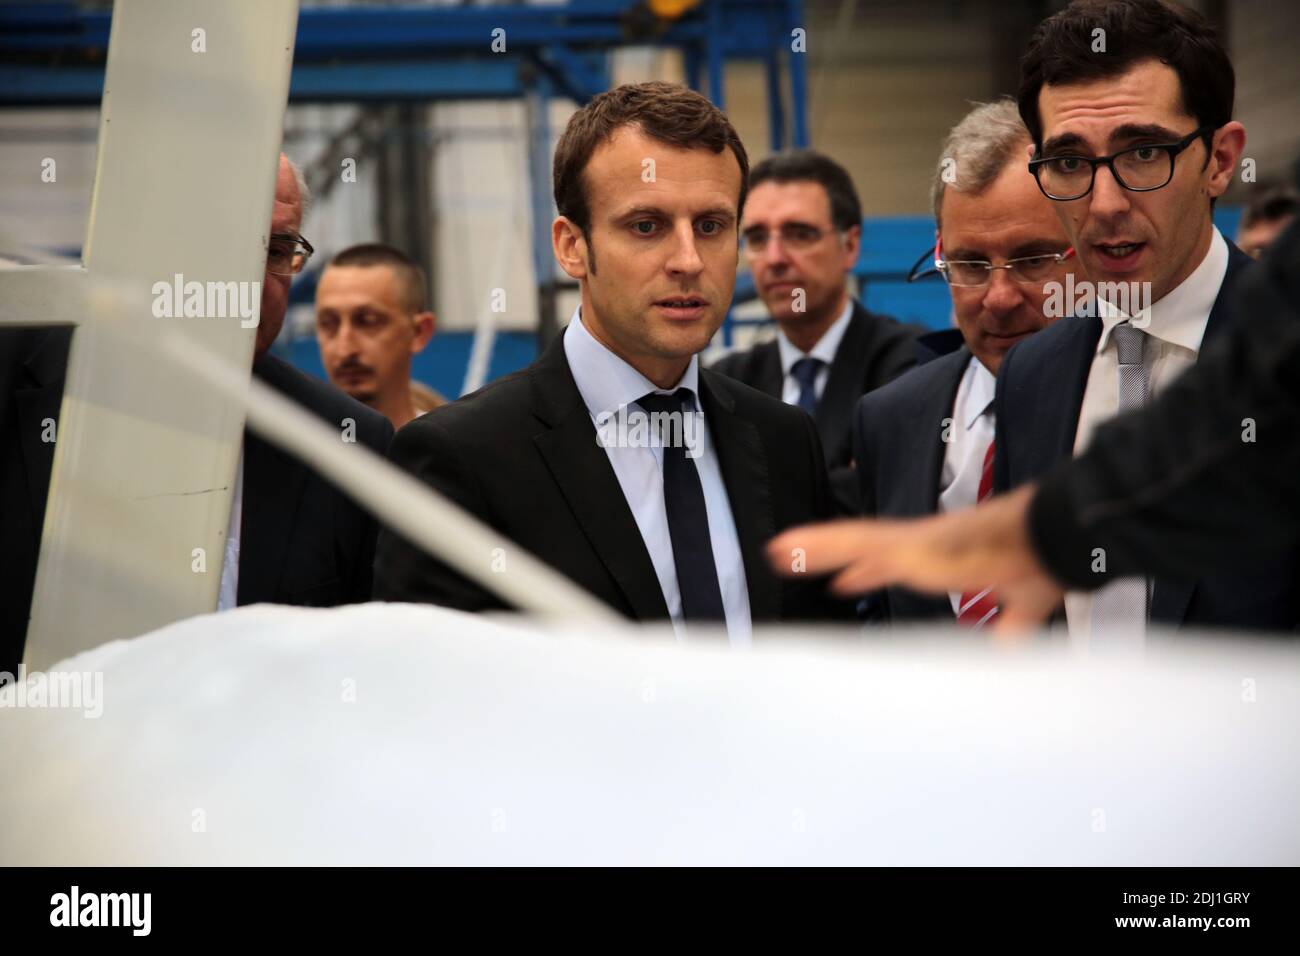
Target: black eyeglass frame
x,y
299,239
1172,149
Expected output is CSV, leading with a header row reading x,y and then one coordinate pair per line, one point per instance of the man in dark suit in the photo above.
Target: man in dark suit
x,y
922,442
1159,107
294,538
649,180
1220,502
802,230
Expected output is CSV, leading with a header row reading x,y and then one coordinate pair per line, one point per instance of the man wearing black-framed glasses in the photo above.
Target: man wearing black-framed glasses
x,y
1131,146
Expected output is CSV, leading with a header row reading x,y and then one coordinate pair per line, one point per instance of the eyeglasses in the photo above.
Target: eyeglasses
x,y
1138,169
793,236
970,273
286,255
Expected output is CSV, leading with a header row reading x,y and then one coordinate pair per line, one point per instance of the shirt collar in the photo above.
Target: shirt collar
x,y
981,388
605,381
826,346
1181,316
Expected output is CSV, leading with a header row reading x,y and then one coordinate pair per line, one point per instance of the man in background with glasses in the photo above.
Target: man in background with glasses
x,y
292,538
801,233
1132,146
924,443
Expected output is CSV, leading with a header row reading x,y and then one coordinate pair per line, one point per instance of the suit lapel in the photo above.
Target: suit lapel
x,y
1170,598
587,481
843,386
1224,312
923,495
745,473
1059,397
768,377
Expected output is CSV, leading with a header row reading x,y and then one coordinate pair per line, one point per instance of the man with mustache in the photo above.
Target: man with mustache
x,y
1132,146
802,232
923,443
371,320
649,181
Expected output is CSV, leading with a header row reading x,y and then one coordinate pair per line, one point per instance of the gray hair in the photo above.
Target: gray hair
x,y
986,141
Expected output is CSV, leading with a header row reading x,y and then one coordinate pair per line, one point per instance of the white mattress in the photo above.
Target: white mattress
x,y
230,739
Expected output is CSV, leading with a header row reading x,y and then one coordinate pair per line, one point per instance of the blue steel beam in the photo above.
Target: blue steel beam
x,y
310,82
739,28
798,64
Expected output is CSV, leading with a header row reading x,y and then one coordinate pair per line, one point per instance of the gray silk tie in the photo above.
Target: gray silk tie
x,y
1119,610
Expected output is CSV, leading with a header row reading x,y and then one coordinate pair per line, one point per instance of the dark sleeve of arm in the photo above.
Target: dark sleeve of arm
x,y
873,606
820,604
403,571
896,357
844,490
862,458
1206,477
362,587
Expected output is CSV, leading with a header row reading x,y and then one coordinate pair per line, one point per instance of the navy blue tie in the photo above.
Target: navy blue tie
x,y
805,373
688,518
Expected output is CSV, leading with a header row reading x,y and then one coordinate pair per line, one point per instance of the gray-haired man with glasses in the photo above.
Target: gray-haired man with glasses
x,y
924,443
292,538
1132,147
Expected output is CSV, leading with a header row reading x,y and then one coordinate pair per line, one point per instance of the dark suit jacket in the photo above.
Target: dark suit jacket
x,y
1132,495
898,447
522,455
1039,397
301,540
875,349
32,366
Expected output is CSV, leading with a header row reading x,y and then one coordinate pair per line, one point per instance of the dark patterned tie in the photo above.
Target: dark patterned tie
x,y
688,518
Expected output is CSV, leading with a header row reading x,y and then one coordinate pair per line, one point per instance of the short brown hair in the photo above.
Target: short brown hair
x,y
1060,53
667,112
409,274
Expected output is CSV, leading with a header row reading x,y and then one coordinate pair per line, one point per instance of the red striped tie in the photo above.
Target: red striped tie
x,y
980,607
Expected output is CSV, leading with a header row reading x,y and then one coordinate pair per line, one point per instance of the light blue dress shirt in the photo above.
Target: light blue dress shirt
x,y
607,383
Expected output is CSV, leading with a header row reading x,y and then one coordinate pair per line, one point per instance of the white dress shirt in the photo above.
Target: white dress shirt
x,y
1174,332
607,384
971,433
228,594
825,350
